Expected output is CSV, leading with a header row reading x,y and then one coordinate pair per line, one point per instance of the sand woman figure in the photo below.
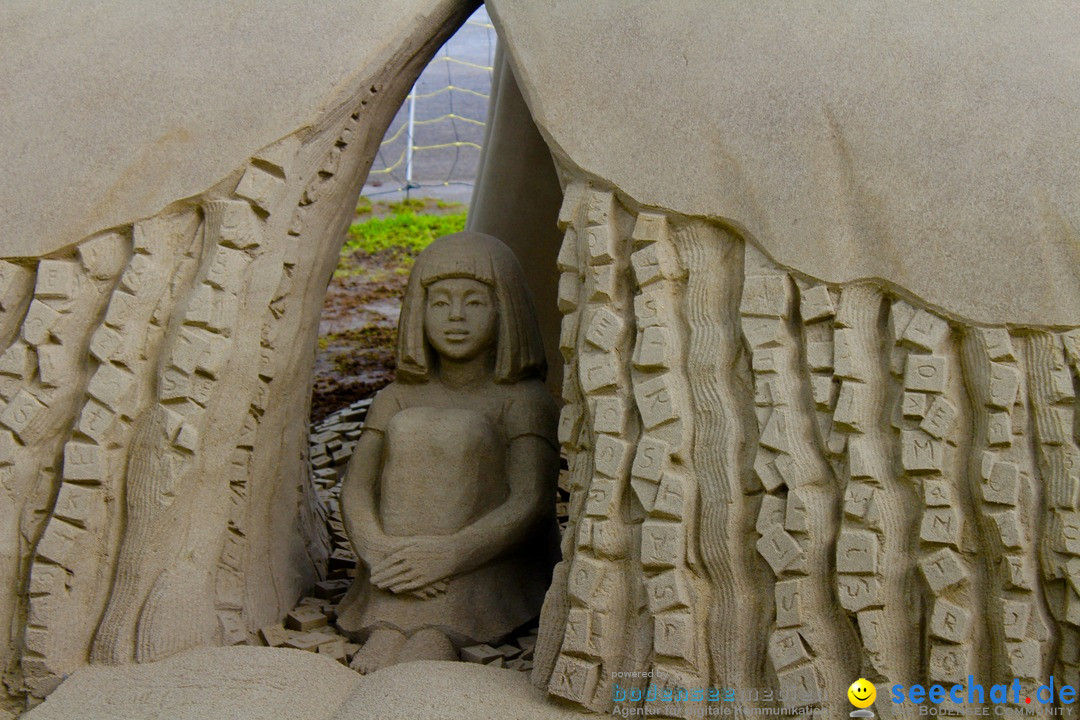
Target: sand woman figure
x,y
448,500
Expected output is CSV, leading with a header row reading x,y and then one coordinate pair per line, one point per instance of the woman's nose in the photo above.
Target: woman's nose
x,y
457,309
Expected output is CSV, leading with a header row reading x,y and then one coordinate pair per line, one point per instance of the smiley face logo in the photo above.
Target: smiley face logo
x,y
862,693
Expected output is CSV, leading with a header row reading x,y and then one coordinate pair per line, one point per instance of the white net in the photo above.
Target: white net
x,y
433,145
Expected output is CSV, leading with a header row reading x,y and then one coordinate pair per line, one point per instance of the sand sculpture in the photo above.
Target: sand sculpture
x,y
818,337
448,497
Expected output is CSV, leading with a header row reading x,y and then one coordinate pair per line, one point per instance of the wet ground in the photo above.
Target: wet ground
x,y
358,329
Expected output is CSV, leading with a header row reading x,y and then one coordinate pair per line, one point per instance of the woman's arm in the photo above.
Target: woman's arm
x,y
358,499
532,467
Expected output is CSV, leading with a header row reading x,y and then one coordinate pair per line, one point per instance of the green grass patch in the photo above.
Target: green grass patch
x,y
404,230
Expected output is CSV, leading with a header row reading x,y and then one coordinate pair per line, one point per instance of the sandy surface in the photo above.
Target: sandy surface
x,y
252,683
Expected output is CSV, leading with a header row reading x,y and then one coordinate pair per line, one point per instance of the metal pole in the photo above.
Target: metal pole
x,y
409,139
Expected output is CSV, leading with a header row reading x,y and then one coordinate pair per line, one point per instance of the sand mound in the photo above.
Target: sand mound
x,y
253,683
450,691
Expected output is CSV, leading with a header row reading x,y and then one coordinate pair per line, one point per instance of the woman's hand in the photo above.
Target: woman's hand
x,y
414,563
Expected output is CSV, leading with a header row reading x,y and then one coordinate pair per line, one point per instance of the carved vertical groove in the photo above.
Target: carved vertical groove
x,y
556,602
718,375
69,298
601,612
812,646
663,478
1052,401
873,560
1018,623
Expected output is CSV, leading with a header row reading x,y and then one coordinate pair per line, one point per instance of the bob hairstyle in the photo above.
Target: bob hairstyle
x,y
519,350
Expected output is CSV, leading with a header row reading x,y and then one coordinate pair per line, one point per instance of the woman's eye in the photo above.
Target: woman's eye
x,y
440,303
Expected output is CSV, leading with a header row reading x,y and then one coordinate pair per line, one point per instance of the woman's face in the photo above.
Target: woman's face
x,y
460,318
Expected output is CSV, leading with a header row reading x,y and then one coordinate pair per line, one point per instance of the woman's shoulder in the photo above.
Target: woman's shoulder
x,y
386,403
531,409
531,392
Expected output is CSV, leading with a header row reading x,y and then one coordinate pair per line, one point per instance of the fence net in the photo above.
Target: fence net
x,y
433,144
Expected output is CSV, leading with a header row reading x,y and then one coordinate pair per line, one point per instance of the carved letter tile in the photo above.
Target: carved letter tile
x,y
775,434
949,663
914,404
763,332
673,634
96,420
671,497
655,402
921,453
55,365
937,493
795,518
612,456
859,457
40,321
1015,616
661,544
1025,658
799,685
816,303
574,679
999,429
17,361
60,540
1003,485
856,552
766,296
823,389
650,228
596,371
57,279
997,343
598,207
78,504
950,621
786,648
925,373
609,415
603,498
779,549
771,513
942,570
788,613
1004,385
654,348
586,579
601,244
260,187
576,636
850,410
82,461
605,329
651,458
1009,530
939,418
858,591
925,331
819,355
104,256
226,268
569,292
21,412
765,469
940,525
666,591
